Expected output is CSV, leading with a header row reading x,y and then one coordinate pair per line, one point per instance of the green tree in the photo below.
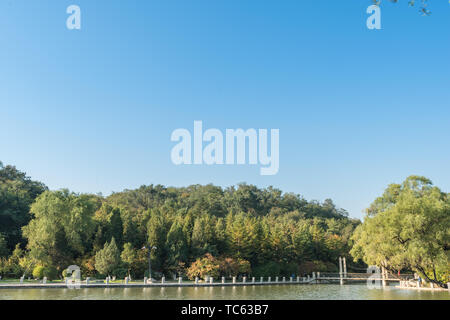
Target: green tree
x,y
12,265
129,256
203,240
177,245
38,272
157,238
62,227
408,229
110,224
107,260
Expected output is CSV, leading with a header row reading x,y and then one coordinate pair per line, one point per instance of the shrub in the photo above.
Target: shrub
x,y
51,273
202,267
289,269
120,273
309,267
234,267
38,272
269,269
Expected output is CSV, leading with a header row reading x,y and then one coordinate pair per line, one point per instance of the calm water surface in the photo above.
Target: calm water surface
x,y
285,292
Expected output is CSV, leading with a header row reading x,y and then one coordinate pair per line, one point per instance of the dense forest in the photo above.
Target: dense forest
x,y
193,231
201,231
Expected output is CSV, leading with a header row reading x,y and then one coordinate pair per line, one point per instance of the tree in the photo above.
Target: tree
x,y
202,267
243,223
38,272
203,236
13,266
234,267
17,193
157,237
62,227
3,246
110,224
245,234
107,260
408,230
177,245
128,256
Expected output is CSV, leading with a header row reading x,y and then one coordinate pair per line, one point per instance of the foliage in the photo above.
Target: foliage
x,y
202,267
267,270
38,272
87,266
214,267
120,273
13,265
408,227
3,246
51,273
62,227
17,193
234,267
129,256
108,259
249,226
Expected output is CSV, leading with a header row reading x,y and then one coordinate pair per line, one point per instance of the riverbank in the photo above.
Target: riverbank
x,y
414,285
83,285
422,288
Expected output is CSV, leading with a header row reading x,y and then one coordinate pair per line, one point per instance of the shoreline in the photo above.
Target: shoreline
x,y
422,288
142,285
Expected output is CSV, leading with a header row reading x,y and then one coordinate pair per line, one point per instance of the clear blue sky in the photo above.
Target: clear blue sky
x,y
93,110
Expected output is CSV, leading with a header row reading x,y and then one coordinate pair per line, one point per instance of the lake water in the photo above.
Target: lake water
x,y
285,292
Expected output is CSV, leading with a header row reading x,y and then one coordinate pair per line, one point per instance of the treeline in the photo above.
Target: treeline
x,y
192,231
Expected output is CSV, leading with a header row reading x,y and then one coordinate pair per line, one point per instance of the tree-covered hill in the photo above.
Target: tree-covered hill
x,y
243,228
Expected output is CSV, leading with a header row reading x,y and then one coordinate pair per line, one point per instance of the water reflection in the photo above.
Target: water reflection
x,y
297,292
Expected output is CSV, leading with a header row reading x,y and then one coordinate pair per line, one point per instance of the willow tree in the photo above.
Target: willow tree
x,y
408,227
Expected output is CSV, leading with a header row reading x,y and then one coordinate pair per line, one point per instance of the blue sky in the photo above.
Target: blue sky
x,y
93,110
